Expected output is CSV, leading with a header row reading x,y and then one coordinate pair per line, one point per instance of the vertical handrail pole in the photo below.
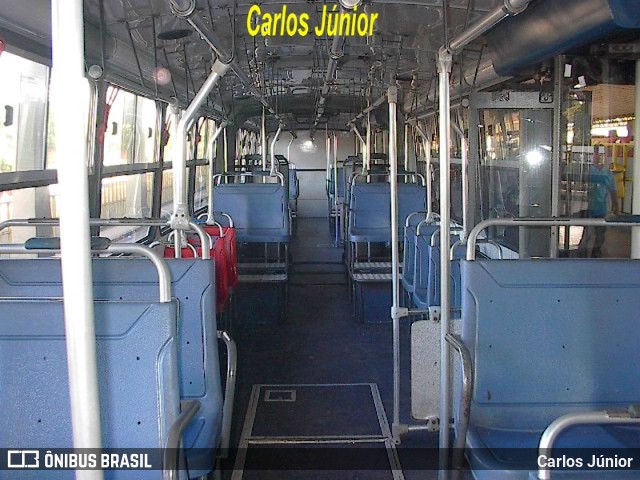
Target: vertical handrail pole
x,y
225,153
444,70
68,81
180,218
428,178
366,160
272,172
465,179
174,111
509,8
392,93
327,147
212,166
335,188
556,156
635,207
427,174
263,138
406,147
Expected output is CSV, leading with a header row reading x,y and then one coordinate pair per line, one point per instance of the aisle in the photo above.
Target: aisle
x,y
319,343
314,431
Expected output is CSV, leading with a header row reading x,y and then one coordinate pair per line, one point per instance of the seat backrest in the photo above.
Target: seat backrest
x,y
230,251
259,211
332,181
409,247
411,198
413,258
283,168
549,337
131,280
220,256
370,211
137,373
427,270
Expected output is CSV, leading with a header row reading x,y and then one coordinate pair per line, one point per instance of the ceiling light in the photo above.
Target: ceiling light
x,y
309,146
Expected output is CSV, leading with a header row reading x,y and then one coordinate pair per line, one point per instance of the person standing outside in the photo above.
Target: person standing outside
x,y
603,199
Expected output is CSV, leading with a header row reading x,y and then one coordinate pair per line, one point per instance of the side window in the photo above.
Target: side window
x,y
146,120
28,203
126,196
25,142
200,192
207,130
130,131
167,194
23,113
169,127
166,198
130,137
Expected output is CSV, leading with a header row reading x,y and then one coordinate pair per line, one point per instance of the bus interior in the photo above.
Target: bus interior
x,y
404,247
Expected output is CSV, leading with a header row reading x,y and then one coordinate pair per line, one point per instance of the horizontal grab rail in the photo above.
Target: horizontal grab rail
x,y
164,274
355,175
434,218
541,222
603,417
106,222
94,222
414,214
435,236
219,176
459,243
213,222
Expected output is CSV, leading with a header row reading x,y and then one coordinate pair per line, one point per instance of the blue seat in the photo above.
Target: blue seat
x,y
260,212
351,164
548,338
370,212
127,279
137,371
426,292
409,249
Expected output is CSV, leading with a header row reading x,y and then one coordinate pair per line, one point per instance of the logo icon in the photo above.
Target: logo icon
x,y
23,459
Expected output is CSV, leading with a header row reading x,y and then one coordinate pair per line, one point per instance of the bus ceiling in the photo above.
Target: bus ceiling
x,y
165,49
